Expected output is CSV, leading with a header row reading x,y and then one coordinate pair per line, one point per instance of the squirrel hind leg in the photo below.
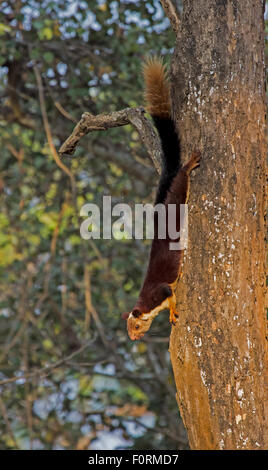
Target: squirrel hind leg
x,y
193,162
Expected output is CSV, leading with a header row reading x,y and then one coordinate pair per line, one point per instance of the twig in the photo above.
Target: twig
x,y
159,371
64,298
88,300
4,414
45,371
48,266
159,429
67,328
15,338
111,347
28,400
64,112
90,310
52,147
24,315
19,155
172,13
102,122
128,376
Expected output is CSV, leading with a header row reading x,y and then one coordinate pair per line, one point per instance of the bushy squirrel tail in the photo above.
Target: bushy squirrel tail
x,y
157,90
158,104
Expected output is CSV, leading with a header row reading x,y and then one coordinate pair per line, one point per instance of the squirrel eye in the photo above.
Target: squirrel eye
x,y
137,327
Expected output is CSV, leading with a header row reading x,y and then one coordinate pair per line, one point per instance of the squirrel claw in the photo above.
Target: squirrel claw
x,y
173,316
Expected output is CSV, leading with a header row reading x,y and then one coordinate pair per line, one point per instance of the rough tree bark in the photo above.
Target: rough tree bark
x,y
217,347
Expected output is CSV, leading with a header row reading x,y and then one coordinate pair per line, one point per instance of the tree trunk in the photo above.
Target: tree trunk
x,y
217,347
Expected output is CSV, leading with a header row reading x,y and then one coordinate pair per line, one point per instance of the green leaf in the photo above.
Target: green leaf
x,y
4,29
49,57
46,33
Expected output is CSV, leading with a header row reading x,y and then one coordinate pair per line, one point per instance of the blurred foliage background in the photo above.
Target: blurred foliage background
x,y
69,376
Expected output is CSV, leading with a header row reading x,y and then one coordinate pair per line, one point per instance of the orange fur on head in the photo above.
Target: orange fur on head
x,y
157,95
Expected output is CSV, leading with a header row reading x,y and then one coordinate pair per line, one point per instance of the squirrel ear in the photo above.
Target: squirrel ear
x,y
125,315
136,313
166,290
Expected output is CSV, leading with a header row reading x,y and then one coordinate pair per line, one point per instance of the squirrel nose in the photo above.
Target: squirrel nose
x,y
132,337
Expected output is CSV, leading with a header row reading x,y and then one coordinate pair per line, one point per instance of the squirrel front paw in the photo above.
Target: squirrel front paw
x,y
173,316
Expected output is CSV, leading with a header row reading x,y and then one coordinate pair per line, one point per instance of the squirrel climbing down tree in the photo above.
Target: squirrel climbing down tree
x,y
157,292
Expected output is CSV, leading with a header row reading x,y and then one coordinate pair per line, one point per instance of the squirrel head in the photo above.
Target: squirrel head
x,y
138,322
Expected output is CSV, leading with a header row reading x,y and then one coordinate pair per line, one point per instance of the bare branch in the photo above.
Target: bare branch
x,y
102,122
172,13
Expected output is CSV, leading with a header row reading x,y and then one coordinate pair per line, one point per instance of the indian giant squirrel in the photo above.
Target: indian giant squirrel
x,y
157,292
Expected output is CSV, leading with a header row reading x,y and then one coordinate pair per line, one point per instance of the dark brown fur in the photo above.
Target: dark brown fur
x,y
157,292
164,264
